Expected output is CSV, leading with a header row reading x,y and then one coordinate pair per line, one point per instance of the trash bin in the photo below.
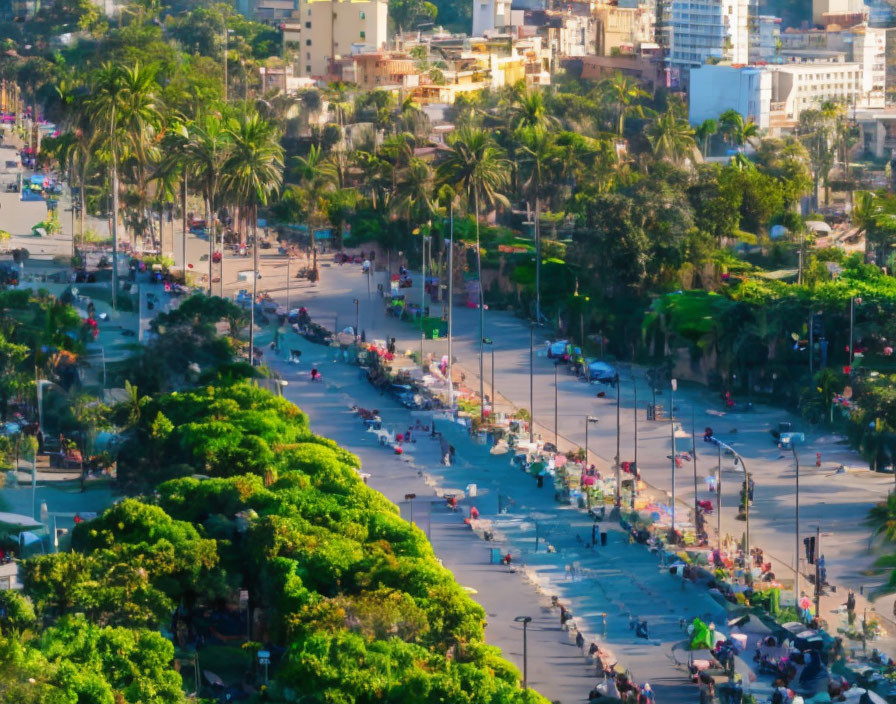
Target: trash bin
x,y
496,556
471,490
603,539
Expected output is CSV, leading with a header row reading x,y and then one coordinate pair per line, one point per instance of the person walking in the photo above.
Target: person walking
x,y
580,642
851,607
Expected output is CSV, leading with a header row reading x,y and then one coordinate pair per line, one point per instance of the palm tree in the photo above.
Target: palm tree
x,y
704,131
541,164
882,518
670,137
477,170
528,110
253,171
621,94
208,142
738,130
414,198
125,110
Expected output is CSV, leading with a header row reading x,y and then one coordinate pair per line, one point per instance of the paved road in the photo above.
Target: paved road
x,y
837,503
603,587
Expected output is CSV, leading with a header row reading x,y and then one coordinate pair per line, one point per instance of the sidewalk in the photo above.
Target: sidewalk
x,y
604,586
837,503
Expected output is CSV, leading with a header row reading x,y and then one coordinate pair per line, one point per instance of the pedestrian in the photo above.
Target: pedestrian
x,y
592,650
851,607
474,512
580,641
564,616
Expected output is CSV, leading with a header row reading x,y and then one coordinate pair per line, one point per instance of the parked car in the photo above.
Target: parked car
x,y
557,350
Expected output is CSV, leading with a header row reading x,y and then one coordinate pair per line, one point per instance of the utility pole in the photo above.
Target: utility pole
x,y
635,471
818,572
719,499
531,382
672,432
618,469
694,457
183,241
288,280
796,556
556,432
811,345
450,302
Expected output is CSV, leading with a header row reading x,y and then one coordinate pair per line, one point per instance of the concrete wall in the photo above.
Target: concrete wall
x,y
715,89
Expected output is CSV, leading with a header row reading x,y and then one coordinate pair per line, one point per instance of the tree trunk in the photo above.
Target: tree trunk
x,y
254,295
114,232
211,243
481,312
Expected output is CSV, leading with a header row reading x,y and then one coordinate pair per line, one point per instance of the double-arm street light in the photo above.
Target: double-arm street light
x,y
525,620
737,455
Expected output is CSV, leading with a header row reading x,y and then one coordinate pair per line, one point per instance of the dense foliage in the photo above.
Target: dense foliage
x,y
352,592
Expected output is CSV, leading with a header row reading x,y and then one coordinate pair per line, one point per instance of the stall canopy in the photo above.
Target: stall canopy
x,y
18,520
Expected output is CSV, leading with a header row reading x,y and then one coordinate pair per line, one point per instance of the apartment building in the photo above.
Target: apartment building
x,y
489,16
820,8
765,39
716,89
322,31
707,31
773,96
621,30
860,44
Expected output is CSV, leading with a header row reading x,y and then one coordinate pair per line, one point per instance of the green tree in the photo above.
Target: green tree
x,y
622,95
670,137
476,169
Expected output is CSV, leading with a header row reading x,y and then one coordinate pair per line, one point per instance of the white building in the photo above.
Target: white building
x,y
325,30
716,89
490,15
765,38
773,96
860,44
820,8
701,31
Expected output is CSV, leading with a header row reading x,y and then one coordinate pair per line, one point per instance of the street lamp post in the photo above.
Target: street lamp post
x,y
674,383
588,419
728,448
288,279
531,383
719,499
358,324
635,471
618,469
450,303
796,554
491,343
852,316
556,430
525,620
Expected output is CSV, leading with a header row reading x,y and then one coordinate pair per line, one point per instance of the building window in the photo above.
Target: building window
x,y
307,25
308,55
307,42
363,35
363,15
307,69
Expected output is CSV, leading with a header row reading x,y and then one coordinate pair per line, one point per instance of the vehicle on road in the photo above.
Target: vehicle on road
x,y
602,373
557,350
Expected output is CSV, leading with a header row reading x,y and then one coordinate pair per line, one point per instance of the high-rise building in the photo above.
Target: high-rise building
x,y
707,31
322,31
490,15
765,39
820,8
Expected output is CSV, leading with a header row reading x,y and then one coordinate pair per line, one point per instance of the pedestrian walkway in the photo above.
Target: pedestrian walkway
x,y
605,588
